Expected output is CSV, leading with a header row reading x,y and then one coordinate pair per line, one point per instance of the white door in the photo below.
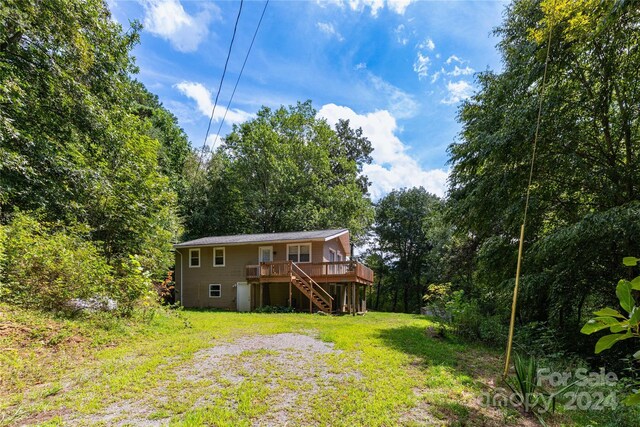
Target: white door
x,y
265,254
243,296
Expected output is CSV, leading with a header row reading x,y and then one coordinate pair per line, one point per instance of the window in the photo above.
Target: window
x,y
265,254
215,291
194,257
218,257
299,252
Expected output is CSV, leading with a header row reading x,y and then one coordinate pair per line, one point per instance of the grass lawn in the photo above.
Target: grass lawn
x,y
214,368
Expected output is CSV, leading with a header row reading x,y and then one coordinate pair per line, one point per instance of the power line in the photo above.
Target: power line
x,y
240,75
224,72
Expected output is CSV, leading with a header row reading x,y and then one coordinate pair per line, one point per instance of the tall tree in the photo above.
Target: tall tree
x,y
74,143
408,228
584,199
285,170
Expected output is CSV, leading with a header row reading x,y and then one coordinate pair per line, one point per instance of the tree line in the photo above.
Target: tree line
x,y
584,215
88,156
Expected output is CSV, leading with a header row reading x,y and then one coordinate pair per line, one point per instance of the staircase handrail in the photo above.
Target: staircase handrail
x,y
313,282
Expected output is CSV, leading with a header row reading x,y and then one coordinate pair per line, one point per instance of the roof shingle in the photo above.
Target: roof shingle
x,y
263,238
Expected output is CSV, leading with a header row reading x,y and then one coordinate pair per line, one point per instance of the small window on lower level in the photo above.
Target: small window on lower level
x,y
215,291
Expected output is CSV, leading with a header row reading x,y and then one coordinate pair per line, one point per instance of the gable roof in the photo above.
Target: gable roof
x,y
246,239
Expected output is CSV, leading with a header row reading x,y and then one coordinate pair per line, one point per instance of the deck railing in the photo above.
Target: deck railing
x,y
337,269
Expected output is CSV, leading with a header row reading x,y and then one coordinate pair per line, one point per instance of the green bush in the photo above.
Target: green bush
x,y
471,322
132,284
45,267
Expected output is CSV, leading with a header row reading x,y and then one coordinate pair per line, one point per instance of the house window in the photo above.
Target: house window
x,y
194,257
299,253
265,254
215,291
218,257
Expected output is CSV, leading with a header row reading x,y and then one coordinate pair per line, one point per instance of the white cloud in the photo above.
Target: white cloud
x,y
400,35
458,91
400,104
168,19
421,66
396,6
392,167
202,97
457,71
361,66
399,6
435,76
453,58
329,29
427,44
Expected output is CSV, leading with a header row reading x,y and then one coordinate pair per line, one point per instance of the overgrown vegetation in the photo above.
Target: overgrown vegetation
x,y
380,369
97,180
583,215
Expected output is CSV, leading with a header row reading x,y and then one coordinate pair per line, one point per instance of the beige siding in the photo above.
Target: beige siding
x,y
192,283
196,280
336,246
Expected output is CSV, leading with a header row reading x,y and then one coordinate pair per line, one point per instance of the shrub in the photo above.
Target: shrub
x,y
165,289
45,266
132,284
53,267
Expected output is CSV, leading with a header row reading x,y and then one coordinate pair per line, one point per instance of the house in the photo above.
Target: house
x,y
307,270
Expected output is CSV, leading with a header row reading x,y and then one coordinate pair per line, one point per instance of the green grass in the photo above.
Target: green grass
x,y
383,371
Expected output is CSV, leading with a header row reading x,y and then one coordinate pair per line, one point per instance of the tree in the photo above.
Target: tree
x,y
79,140
408,228
284,170
585,186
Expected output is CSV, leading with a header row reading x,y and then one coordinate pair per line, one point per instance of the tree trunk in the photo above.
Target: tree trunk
x,y
406,298
395,299
378,292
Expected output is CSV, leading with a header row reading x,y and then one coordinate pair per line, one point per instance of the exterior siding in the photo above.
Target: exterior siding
x,y
195,286
192,283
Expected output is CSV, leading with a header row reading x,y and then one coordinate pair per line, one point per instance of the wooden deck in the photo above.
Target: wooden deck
x,y
321,272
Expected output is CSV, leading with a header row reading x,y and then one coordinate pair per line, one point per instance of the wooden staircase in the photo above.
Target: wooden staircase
x,y
310,288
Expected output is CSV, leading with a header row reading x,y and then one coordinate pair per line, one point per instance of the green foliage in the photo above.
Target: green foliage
x,y
471,322
132,283
525,382
284,170
621,325
584,205
47,265
410,231
80,141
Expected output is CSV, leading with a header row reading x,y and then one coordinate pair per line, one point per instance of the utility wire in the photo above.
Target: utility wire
x,y
240,75
224,71
526,208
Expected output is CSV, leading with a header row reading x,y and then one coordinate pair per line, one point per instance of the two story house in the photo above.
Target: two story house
x,y
308,270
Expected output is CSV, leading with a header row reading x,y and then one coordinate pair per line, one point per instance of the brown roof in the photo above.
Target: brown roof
x,y
241,239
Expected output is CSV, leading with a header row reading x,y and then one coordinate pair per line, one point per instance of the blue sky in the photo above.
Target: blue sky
x,y
398,69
